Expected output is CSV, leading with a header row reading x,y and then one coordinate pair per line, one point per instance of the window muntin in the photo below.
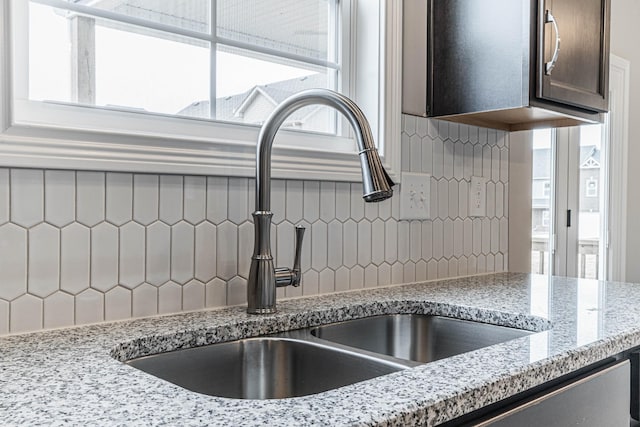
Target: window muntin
x,y
191,15
306,29
161,57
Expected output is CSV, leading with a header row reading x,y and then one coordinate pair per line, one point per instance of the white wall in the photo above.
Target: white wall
x,y
520,189
625,33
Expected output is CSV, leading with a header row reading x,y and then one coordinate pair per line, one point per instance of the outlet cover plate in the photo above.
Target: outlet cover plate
x,y
415,196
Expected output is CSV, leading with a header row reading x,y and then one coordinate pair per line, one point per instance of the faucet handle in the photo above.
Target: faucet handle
x,y
296,270
292,276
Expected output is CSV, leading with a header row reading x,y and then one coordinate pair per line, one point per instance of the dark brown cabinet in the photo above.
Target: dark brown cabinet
x,y
578,73
507,64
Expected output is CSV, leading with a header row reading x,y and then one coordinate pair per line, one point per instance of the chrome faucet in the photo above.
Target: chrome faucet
x,y
263,277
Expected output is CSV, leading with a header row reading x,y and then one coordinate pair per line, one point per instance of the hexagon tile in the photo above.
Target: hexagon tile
x,y
84,247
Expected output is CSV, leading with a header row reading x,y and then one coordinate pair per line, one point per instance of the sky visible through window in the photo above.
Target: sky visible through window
x,y
140,71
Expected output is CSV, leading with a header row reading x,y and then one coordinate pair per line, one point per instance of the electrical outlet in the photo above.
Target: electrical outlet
x,y
415,190
478,196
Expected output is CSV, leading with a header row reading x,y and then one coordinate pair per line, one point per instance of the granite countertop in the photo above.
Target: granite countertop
x,y
72,376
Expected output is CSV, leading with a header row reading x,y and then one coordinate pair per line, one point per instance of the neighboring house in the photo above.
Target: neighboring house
x,y
589,226
254,105
589,179
589,187
541,190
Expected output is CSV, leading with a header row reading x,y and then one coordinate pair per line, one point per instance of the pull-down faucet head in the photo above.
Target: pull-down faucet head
x,y
263,277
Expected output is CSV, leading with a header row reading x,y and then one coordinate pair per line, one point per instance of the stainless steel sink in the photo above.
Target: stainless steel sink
x,y
313,360
420,338
263,368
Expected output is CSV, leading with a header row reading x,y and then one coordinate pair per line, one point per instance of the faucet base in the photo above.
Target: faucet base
x,y
261,283
268,310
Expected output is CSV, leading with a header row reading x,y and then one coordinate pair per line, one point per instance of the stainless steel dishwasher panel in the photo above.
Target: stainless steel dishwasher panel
x,y
600,399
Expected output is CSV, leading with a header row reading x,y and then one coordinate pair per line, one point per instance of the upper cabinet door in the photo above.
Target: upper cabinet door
x,y
573,52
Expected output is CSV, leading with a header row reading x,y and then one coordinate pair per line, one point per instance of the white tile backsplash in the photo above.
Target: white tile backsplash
x,y
89,307
117,304
193,295
195,200
227,251
132,250
43,260
83,247
238,197
215,293
4,196
4,317
60,197
58,310
13,261
144,300
377,249
27,201
319,238
170,298
145,198
205,252
158,253
26,314
90,197
182,252
119,193
104,257
171,198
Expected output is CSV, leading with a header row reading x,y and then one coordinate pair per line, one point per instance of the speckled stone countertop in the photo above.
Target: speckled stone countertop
x,y
72,376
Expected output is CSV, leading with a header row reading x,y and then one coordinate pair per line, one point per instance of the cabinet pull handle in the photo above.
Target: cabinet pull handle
x,y
550,19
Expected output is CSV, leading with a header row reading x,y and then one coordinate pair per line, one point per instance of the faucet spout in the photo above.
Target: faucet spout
x,y
261,286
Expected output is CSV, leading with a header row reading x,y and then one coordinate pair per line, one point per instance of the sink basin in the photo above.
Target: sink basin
x,y
313,360
420,338
263,368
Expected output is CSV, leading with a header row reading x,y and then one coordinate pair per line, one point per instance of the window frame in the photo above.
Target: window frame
x,y
591,192
45,135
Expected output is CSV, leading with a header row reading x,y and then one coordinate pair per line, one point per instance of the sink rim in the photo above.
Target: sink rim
x,y
305,336
232,327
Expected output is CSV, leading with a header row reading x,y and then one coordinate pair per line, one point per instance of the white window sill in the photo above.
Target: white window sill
x,y
216,148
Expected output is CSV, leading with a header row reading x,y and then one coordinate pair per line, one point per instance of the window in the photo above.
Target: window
x,y
546,189
167,57
197,76
545,218
591,188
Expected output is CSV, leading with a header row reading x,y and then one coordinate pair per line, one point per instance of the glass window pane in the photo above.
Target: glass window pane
x,y
89,60
302,27
193,15
157,74
541,202
49,55
591,175
250,85
113,64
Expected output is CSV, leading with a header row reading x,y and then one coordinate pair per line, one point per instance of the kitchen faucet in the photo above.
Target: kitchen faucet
x,y
263,276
